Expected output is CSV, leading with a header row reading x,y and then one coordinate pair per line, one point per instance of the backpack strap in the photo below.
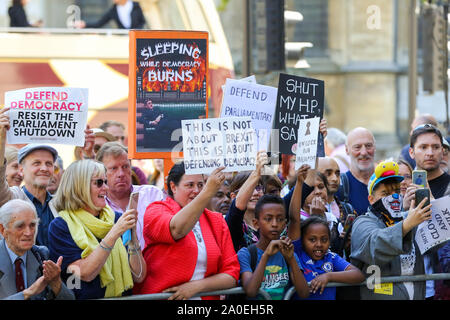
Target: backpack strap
x,y
345,187
253,256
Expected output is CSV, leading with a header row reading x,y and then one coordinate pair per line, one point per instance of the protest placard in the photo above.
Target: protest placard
x,y
432,232
245,98
306,147
215,142
298,98
168,83
47,115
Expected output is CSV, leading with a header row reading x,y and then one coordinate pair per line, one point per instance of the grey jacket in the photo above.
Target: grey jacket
x,y
8,289
375,244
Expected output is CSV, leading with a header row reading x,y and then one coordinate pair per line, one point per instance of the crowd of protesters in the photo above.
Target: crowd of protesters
x,y
269,230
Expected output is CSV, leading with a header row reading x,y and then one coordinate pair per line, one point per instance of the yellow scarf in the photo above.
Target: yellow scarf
x,y
85,229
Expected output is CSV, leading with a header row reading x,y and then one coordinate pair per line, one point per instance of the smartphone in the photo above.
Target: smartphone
x,y
348,221
421,194
132,204
419,177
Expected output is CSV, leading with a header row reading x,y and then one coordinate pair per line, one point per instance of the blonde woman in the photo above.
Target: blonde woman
x,y
13,174
88,233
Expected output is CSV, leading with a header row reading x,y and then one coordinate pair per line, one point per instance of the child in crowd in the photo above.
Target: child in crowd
x,y
321,266
276,265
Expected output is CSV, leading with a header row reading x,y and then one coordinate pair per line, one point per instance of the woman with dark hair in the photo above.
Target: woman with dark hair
x,y
245,190
188,247
18,17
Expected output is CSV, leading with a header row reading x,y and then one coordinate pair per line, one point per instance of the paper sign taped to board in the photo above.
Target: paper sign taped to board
x,y
244,98
55,115
306,148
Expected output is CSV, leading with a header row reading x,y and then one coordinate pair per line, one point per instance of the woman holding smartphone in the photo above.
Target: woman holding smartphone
x,y
88,233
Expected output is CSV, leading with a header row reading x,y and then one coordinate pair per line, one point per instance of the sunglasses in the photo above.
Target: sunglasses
x,y
426,126
99,182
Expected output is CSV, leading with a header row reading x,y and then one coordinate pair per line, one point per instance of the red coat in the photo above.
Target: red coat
x,y
170,262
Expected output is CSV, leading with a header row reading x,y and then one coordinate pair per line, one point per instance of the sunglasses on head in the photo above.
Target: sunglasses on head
x,y
425,126
99,182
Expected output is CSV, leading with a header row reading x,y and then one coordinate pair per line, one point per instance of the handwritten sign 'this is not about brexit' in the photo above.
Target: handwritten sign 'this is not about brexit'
x,y
215,142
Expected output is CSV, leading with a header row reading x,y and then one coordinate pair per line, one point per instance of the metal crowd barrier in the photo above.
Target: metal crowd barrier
x,y
420,277
164,296
288,295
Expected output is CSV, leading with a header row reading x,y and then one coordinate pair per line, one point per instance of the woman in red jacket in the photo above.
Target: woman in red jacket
x,y
188,247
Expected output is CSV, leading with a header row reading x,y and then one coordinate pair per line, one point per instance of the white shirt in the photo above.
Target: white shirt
x,y
124,13
200,267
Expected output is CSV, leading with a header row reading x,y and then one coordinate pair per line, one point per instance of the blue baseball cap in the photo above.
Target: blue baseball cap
x,y
24,151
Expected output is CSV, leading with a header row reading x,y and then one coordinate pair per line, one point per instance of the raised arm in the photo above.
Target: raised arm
x,y
5,192
296,203
184,221
246,191
4,127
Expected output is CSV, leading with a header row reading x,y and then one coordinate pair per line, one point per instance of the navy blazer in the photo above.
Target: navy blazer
x,y
8,289
137,18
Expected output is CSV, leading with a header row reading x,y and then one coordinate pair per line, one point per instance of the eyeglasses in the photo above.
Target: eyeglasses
x,y
55,169
99,182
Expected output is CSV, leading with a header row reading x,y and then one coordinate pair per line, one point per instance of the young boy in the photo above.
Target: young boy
x,y
277,266
383,237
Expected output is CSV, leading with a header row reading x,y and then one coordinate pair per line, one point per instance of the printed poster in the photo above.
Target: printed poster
x,y
52,115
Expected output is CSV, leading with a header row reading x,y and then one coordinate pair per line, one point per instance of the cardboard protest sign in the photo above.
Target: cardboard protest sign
x,y
168,81
47,115
432,232
244,98
215,142
298,98
306,148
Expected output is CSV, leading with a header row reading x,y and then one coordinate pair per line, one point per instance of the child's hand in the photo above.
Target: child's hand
x,y
287,248
273,247
301,173
319,283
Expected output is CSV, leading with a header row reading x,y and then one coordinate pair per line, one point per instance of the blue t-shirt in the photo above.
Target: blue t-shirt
x,y
358,196
62,244
276,274
331,262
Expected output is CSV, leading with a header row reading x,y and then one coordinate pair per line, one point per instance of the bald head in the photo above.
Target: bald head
x,y
423,119
360,147
330,169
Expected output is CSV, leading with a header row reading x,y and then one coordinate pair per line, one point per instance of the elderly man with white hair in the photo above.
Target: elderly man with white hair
x,y
26,271
360,146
